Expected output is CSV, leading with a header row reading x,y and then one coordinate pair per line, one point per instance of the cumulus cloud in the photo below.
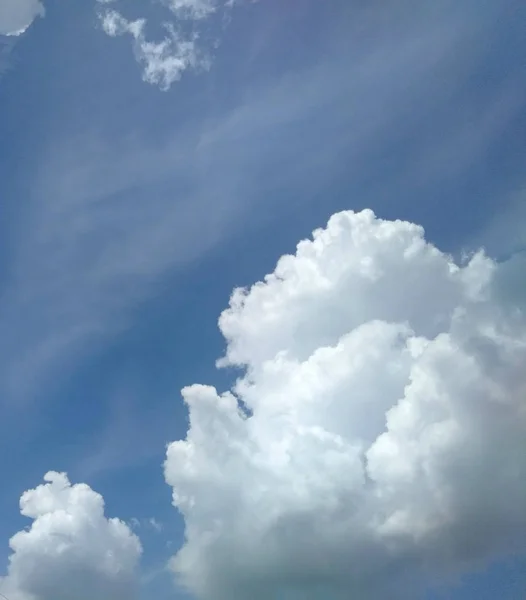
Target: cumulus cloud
x,y
182,49
378,434
71,549
17,15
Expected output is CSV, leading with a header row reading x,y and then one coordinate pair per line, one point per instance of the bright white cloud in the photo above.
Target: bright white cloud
x,y
71,549
165,61
387,435
17,15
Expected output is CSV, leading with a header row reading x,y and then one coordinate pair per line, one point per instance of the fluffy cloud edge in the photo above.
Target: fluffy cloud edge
x,y
378,428
71,548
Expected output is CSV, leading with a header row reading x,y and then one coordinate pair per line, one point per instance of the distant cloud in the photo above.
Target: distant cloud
x,y
387,432
193,9
151,523
71,549
17,15
164,61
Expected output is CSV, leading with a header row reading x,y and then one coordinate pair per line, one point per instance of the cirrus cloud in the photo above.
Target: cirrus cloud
x,y
378,434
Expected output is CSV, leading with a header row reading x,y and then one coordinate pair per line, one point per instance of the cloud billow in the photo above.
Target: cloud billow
x,y
378,435
71,549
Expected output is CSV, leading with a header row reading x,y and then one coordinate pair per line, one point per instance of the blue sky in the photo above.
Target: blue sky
x,y
128,213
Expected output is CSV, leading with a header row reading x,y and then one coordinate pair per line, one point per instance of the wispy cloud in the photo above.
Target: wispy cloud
x,y
182,49
151,523
107,220
193,9
92,245
163,62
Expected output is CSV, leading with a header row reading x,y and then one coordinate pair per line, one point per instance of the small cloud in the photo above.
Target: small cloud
x,y
164,61
71,548
135,523
155,524
151,523
192,9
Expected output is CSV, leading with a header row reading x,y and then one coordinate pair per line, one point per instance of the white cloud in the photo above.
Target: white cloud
x,y
71,549
193,9
155,524
17,15
150,523
165,61
387,436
